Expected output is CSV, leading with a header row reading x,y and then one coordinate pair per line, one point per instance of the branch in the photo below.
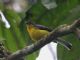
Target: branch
x,y
58,32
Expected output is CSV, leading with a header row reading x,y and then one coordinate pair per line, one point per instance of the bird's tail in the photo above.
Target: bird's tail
x,y
66,44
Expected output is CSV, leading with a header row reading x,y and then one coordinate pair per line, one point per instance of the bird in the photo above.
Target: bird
x,y
37,31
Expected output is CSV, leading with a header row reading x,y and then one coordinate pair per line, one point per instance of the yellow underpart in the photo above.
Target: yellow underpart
x,y
35,33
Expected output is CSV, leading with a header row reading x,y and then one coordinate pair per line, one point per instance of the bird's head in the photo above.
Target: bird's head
x,y
30,25
29,22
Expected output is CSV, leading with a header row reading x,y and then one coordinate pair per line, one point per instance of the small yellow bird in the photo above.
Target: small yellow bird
x,y
37,32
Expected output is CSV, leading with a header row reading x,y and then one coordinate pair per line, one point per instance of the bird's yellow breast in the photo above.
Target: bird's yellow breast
x,y
35,33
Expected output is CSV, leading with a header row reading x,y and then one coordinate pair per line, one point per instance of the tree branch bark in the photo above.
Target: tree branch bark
x,y
58,32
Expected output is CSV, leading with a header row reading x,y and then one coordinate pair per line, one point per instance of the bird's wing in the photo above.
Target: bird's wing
x,y
41,27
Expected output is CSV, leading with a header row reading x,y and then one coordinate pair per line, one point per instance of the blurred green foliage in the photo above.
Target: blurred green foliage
x,y
65,13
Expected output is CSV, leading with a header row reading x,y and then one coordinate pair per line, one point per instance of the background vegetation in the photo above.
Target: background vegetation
x,y
65,13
